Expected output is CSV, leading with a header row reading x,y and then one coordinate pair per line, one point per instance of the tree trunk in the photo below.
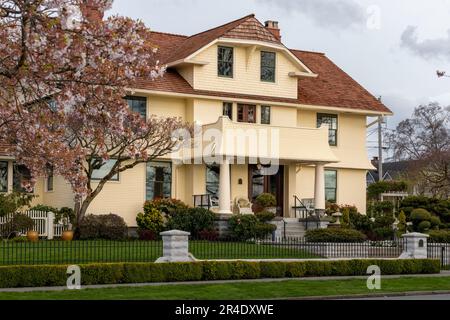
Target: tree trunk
x,y
80,212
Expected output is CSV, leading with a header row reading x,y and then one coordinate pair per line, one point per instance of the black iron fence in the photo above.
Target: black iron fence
x,y
79,252
441,251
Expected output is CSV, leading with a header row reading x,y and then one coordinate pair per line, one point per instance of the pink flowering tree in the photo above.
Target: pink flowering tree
x,y
64,71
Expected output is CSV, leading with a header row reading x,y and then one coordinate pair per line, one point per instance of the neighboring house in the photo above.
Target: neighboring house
x,y
241,76
399,171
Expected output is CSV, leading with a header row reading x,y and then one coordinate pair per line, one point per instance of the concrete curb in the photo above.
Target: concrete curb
x,y
373,296
110,286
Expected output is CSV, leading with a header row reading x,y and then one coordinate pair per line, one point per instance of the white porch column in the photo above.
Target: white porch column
x,y
10,176
319,189
225,188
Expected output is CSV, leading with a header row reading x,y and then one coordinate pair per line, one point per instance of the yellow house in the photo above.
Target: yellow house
x,y
240,80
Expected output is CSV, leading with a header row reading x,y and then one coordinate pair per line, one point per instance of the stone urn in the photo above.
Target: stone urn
x,y
33,236
67,235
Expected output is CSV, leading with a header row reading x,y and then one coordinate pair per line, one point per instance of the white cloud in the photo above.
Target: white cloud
x,y
338,13
428,48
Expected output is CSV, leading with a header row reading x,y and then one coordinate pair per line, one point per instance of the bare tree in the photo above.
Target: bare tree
x,y
424,140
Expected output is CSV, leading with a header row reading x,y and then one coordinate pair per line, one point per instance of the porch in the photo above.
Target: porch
x,y
268,158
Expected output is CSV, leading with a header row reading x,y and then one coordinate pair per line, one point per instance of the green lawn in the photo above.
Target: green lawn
x,y
77,252
247,290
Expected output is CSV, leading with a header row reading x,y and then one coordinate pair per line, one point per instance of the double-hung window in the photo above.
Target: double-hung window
x,y
212,180
268,62
331,185
104,168
332,121
246,113
138,104
50,179
21,176
265,114
3,176
159,180
225,59
228,109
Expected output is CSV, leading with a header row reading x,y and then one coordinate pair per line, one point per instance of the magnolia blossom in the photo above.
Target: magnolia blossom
x,y
63,75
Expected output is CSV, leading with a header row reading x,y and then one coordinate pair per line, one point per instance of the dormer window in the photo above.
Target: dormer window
x,y
268,61
138,105
225,62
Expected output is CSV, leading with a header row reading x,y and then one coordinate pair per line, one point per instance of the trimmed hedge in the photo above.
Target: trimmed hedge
x,y
114,273
335,235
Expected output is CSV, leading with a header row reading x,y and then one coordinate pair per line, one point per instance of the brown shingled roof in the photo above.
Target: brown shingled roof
x,y
3,148
247,27
332,88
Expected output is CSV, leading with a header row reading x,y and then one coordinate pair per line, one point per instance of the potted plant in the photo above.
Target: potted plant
x,y
267,202
65,216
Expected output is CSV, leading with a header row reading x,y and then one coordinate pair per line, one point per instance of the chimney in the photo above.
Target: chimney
x,y
91,12
272,26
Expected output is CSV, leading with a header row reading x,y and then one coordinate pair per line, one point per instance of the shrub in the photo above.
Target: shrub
x,y
264,229
151,220
243,227
246,227
361,222
19,223
44,208
424,226
115,273
419,215
437,207
383,207
421,219
109,227
211,235
165,206
266,200
440,236
65,215
147,235
12,202
265,216
402,222
435,222
334,235
375,189
193,220
382,233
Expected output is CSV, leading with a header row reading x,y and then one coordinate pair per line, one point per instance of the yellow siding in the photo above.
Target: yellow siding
x,y
351,186
246,78
61,196
166,106
351,147
239,190
125,197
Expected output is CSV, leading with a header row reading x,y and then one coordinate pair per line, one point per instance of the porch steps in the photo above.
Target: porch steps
x,y
290,228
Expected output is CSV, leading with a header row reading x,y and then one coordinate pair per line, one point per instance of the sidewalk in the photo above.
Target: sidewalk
x,y
442,274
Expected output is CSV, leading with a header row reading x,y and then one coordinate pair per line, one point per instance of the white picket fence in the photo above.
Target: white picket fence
x,y
44,223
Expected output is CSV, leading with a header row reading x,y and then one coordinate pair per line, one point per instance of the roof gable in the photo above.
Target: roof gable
x,y
251,29
198,41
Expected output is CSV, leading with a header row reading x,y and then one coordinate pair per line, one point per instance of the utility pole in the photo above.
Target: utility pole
x,y
380,148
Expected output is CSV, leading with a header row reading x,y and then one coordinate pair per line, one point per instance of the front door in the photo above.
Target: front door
x,y
260,183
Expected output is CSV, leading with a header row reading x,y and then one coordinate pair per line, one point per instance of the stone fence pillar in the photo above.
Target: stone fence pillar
x,y
415,246
175,247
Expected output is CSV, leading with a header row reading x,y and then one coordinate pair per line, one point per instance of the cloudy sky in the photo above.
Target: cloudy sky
x,y
393,48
